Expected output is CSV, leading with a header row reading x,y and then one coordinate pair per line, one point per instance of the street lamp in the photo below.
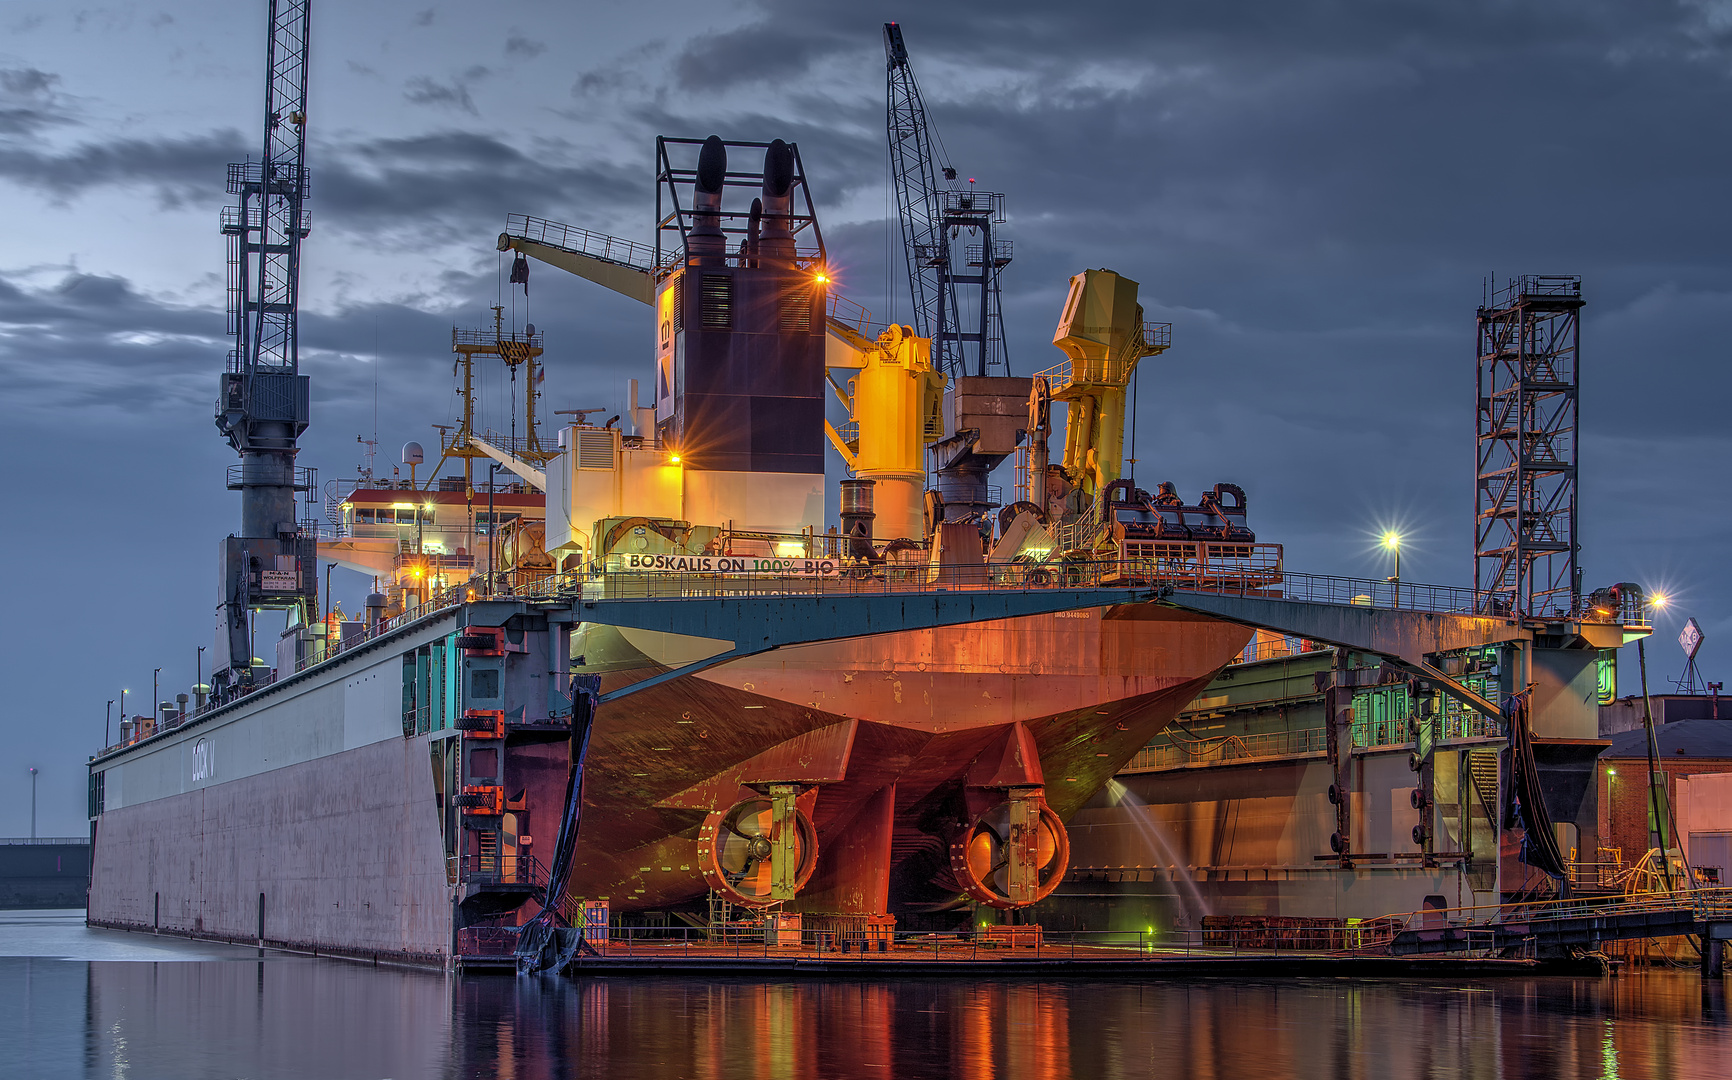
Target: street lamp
x,y
1392,542
155,693
32,802
107,722
492,524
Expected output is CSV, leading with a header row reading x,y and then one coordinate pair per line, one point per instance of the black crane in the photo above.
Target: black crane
x,y
263,406
934,214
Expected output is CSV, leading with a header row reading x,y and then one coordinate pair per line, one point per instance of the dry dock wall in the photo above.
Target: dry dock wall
x,y
311,798
345,851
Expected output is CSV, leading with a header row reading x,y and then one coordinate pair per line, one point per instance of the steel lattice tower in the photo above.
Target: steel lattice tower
x,y
932,215
264,402
1525,541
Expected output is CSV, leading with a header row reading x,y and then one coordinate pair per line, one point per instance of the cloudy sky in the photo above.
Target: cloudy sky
x,y
1313,193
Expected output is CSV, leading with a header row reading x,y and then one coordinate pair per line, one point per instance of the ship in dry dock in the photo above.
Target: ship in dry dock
x,y
392,782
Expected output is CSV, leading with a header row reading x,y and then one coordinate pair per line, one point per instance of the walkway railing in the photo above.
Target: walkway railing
x,y
1704,905
582,241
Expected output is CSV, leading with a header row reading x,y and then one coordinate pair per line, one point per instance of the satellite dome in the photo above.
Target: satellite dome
x,y
413,454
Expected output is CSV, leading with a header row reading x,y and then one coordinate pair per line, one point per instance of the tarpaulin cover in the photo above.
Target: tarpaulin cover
x,y
1527,804
539,948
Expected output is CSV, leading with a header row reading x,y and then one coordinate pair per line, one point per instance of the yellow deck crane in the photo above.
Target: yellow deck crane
x,y
1103,336
895,404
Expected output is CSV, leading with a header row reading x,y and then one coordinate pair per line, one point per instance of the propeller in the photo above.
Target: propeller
x,y
988,852
744,847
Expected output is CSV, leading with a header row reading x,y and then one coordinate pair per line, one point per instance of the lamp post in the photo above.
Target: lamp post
x,y
492,524
107,722
123,706
1392,542
155,693
198,666
32,802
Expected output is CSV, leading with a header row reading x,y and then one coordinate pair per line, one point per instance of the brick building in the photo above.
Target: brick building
x,y
1687,748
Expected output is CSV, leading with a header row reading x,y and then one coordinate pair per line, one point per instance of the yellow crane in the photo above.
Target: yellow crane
x,y
1103,336
895,403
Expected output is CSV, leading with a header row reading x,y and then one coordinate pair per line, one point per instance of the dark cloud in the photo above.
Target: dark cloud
x,y
453,94
516,44
424,17
30,101
177,169
438,186
762,53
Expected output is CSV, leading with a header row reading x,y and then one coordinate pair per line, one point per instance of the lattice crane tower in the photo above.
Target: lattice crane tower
x,y
263,407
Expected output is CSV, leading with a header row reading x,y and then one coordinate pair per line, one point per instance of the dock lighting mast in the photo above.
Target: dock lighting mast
x,y
933,214
1525,547
263,406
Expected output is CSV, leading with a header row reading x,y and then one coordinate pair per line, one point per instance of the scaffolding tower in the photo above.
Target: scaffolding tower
x,y
1525,542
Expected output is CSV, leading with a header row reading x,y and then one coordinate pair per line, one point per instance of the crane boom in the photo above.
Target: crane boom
x,y
932,215
912,165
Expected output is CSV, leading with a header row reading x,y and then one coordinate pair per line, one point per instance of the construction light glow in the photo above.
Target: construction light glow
x,y
1657,600
1392,540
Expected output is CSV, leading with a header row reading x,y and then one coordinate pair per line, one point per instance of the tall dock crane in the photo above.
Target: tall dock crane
x,y
933,215
263,405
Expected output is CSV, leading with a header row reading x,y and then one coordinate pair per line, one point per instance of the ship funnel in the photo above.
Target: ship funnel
x,y
375,608
706,237
777,237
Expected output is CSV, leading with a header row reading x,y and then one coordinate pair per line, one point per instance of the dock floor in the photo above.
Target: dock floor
x,y
977,961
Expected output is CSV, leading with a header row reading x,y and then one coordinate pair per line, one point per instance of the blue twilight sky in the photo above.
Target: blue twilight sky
x,y
1312,193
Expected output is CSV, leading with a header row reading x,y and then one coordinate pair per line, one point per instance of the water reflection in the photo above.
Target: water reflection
x,y
96,1004
1650,1025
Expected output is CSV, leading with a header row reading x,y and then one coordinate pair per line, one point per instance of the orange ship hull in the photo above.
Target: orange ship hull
x,y
889,739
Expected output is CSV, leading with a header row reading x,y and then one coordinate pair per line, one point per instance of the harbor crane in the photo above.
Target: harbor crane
x,y
263,404
935,214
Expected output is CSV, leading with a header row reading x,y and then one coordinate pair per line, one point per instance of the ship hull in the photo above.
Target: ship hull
x,y
1091,687
326,800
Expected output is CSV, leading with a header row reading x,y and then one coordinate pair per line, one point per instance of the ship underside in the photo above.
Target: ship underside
x,y
891,746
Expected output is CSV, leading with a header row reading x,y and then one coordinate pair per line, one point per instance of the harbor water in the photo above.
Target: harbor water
x,y
93,1003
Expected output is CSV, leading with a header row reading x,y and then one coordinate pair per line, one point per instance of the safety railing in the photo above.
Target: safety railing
x,y
762,577
1703,904
502,869
581,241
852,315
1177,753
